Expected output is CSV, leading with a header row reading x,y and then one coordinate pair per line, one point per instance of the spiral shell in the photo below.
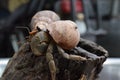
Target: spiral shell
x,y
44,17
65,33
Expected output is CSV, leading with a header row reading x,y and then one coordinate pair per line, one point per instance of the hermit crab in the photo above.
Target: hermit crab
x,y
42,18
62,34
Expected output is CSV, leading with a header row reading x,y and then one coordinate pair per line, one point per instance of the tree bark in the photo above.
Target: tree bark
x,y
24,65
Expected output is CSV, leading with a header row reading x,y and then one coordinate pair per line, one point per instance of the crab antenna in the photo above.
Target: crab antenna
x,y
21,27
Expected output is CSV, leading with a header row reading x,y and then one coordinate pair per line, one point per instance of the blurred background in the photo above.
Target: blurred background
x,y
97,20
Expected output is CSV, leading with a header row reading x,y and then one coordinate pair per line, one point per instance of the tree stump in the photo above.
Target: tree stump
x,y
24,65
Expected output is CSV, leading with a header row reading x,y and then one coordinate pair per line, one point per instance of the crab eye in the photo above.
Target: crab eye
x,y
38,29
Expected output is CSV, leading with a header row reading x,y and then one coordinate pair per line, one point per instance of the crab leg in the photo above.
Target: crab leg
x,y
51,63
70,56
86,53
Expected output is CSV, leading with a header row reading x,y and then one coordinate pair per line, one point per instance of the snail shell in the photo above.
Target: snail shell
x,y
45,16
65,33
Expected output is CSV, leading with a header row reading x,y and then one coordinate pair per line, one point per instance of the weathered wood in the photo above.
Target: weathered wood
x,y
24,65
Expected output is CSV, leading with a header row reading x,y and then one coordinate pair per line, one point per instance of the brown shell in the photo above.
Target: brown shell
x,y
40,21
47,13
65,33
46,16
